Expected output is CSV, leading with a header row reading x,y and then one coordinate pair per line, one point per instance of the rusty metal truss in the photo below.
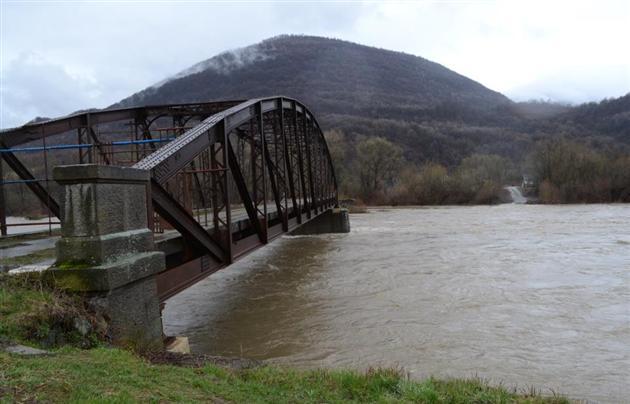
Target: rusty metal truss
x,y
226,177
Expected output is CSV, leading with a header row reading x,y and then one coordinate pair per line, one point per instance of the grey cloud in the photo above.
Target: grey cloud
x,y
225,62
307,17
34,87
128,47
576,86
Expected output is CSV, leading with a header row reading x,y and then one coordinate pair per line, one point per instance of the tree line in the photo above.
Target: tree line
x,y
571,172
375,171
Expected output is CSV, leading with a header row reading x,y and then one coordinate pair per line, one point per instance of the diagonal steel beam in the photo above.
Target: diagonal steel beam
x,y
274,185
87,121
182,221
287,160
239,180
39,191
99,145
263,177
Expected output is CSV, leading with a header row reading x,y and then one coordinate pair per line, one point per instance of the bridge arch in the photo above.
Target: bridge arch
x,y
260,168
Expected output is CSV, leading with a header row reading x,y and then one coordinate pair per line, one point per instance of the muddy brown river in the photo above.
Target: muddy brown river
x,y
522,295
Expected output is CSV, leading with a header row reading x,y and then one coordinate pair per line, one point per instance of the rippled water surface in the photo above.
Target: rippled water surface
x,y
520,294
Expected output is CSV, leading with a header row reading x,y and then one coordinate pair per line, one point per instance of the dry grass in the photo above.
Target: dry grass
x,y
33,313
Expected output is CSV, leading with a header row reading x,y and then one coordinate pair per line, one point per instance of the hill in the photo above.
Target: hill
x,y
334,76
433,112
610,117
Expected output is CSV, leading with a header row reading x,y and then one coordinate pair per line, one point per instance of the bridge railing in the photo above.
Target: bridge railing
x,y
113,137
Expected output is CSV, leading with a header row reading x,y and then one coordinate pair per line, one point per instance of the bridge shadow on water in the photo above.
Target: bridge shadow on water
x,y
257,307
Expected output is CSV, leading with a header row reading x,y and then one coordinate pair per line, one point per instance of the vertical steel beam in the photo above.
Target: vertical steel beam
x,y
322,173
226,192
309,161
293,147
332,188
3,210
316,169
263,176
287,161
89,131
46,178
304,197
136,136
214,197
251,137
279,166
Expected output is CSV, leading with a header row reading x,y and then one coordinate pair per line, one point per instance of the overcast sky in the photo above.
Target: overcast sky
x,y
60,56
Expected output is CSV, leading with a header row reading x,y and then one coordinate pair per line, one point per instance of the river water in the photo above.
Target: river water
x,y
526,295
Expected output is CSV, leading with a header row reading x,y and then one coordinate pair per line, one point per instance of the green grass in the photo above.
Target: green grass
x,y
17,304
114,375
33,314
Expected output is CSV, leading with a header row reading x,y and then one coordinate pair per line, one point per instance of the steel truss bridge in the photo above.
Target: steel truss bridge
x,y
226,177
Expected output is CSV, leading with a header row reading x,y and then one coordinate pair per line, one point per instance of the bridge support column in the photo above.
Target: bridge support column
x,y
335,220
106,250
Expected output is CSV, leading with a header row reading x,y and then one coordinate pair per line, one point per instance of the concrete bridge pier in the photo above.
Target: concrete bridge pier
x,y
106,249
335,220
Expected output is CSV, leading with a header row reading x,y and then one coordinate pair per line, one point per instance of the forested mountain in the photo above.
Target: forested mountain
x,y
333,76
433,113
610,117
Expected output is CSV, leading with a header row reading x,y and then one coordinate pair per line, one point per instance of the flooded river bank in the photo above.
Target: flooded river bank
x,y
520,294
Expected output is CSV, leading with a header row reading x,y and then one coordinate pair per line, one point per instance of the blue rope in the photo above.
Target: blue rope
x,y
79,146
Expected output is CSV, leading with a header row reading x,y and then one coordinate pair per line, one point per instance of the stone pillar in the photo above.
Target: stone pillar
x,y
335,220
106,250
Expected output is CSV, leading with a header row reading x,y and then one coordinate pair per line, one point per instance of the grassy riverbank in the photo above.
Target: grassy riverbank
x,y
29,312
106,374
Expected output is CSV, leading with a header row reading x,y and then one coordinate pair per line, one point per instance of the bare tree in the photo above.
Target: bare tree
x,y
378,161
